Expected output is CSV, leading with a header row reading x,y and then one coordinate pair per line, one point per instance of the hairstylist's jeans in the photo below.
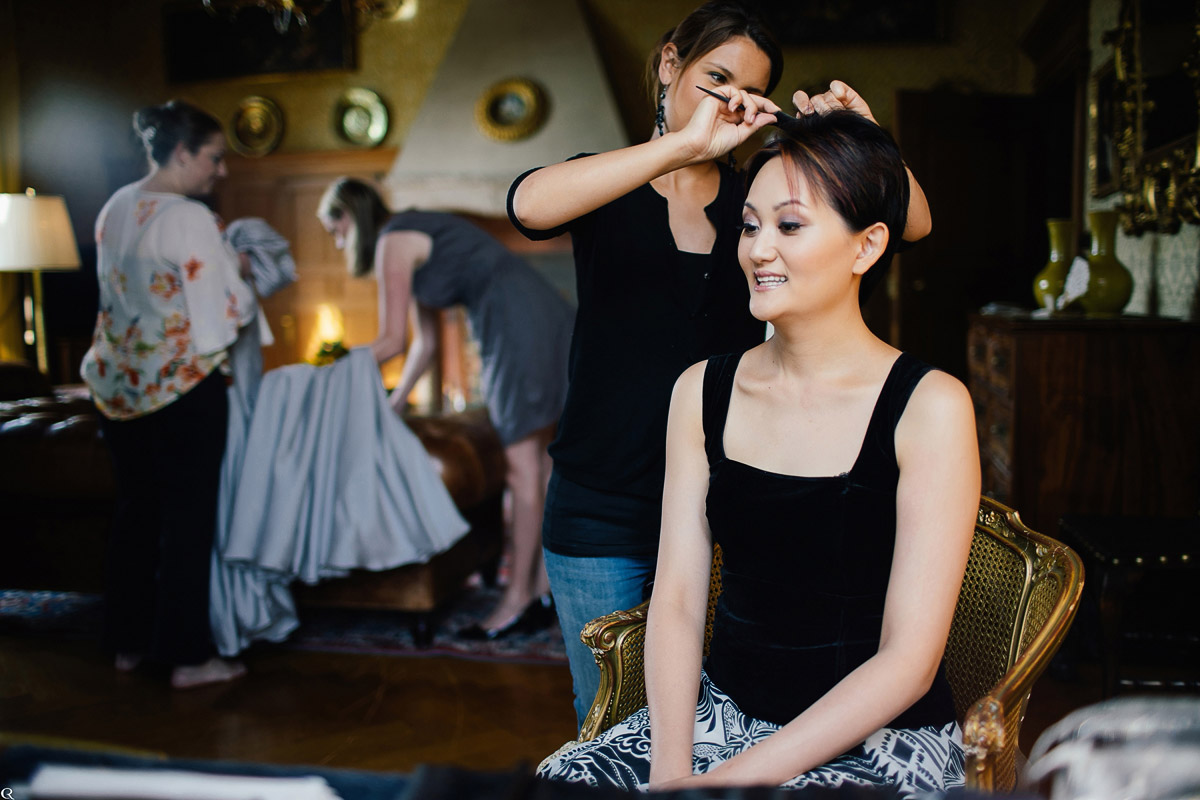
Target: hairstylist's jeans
x,y
586,588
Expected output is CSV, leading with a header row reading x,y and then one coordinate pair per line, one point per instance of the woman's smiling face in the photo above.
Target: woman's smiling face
x,y
795,249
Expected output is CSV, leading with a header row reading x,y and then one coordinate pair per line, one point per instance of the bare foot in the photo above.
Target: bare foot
x,y
127,662
215,670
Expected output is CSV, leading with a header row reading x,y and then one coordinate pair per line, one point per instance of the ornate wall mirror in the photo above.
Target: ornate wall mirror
x,y
1156,62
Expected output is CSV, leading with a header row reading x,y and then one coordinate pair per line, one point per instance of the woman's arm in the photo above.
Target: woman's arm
x,y
936,503
920,221
675,626
397,257
555,195
420,354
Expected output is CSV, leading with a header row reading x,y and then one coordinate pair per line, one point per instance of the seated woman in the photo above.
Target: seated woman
x,y
841,479
424,261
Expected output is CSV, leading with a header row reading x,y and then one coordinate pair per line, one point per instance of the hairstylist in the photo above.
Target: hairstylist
x,y
654,229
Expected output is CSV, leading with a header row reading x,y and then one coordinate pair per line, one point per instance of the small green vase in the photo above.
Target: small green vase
x,y
1048,284
1109,283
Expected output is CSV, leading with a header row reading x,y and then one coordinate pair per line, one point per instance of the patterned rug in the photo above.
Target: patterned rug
x,y
74,615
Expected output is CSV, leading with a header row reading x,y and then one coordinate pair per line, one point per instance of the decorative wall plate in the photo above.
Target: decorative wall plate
x,y
361,117
511,109
257,126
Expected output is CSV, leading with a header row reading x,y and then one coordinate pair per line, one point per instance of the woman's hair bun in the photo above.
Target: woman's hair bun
x,y
163,127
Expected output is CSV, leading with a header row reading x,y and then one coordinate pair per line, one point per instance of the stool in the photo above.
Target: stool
x,y
1142,579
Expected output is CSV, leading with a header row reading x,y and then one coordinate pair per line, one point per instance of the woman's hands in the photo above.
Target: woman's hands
x,y
717,128
839,96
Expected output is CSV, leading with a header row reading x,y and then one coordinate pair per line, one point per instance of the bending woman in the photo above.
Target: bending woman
x,y
171,303
841,479
424,261
654,234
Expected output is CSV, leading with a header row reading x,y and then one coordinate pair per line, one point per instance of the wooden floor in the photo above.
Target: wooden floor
x,y
351,711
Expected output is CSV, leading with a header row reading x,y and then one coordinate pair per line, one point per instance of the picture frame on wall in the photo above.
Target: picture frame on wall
x,y
200,45
1104,160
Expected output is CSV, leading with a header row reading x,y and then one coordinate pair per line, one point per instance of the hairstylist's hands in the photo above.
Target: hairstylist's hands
x,y
839,96
716,128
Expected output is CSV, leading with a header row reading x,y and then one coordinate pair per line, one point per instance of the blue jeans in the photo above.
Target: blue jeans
x,y
585,588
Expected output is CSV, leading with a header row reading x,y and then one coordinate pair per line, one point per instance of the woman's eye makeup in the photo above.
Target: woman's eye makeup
x,y
790,226
748,228
717,77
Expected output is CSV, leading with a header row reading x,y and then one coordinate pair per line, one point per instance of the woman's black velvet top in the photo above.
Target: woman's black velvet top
x,y
806,564
647,311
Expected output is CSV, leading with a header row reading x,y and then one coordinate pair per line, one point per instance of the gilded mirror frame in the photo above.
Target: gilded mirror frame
x,y
1159,188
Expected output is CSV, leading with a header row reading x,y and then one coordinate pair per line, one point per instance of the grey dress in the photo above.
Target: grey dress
x,y
522,323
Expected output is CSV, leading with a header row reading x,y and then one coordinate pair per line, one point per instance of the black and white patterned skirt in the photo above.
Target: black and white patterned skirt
x,y
911,761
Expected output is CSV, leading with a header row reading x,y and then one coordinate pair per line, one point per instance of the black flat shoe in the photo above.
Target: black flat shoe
x,y
538,615
534,617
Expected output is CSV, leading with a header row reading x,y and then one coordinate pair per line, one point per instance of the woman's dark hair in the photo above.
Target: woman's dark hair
x,y
358,200
856,167
161,128
707,28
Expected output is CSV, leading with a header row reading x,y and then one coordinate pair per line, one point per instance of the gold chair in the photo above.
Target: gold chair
x,y
1018,598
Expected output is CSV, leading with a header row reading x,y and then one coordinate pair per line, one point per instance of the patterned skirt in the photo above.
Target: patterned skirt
x,y
910,761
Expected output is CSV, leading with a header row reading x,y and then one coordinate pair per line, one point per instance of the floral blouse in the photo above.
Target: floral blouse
x,y
171,301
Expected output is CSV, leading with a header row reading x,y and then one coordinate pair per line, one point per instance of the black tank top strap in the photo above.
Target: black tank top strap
x,y
718,388
880,443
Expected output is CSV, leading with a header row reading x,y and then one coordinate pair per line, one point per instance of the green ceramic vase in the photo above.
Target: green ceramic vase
x,y
1048,284
1109,283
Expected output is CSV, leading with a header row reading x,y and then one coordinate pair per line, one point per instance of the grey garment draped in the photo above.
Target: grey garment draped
x,y
320,476
271,261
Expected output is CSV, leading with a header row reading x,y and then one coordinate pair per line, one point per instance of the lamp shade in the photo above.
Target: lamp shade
x,y
36,234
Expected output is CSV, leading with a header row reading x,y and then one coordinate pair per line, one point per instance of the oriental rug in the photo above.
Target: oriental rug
x,y
76,615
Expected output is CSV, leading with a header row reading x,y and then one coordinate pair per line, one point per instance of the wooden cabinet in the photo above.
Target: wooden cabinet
x,y
1087,415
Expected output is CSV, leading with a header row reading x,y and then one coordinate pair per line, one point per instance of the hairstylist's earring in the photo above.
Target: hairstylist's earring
x,y
660,118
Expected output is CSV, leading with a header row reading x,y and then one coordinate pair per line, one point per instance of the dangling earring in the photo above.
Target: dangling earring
x,y
660,118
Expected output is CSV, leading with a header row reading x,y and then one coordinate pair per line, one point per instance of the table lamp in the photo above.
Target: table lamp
x,y
35,236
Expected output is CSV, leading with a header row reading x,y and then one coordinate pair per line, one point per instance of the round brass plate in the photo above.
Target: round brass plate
x,y
511,109
361,117
257,126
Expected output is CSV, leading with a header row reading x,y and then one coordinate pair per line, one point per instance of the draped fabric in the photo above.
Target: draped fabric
x,y
320,477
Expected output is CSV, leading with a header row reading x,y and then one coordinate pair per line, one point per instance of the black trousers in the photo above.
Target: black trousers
x,y
168,469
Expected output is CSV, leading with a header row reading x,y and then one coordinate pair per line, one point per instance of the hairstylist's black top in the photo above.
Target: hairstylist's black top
x,y
646,312
806,564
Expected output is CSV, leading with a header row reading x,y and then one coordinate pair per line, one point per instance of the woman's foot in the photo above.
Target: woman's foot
x,y
127,662
215,670
536,615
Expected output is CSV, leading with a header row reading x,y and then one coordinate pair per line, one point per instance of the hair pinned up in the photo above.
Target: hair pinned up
x,y
856,168
161,128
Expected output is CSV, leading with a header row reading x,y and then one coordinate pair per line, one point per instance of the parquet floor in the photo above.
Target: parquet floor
x,y
349,711
361,712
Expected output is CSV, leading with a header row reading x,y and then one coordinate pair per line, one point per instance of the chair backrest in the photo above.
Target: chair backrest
x,y
1013,582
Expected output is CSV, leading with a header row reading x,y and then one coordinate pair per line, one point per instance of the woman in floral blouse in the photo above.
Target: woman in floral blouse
x,y
171,303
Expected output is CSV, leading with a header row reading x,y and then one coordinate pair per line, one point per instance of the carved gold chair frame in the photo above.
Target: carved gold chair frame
x,y
1019,595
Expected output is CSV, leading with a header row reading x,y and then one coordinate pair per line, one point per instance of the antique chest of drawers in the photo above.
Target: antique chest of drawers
x,y
1087,415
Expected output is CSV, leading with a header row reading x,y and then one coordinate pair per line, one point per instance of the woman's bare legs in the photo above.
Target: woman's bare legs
x,y
528,472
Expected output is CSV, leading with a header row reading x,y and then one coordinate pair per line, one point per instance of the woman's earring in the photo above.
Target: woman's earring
x,y
660,118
